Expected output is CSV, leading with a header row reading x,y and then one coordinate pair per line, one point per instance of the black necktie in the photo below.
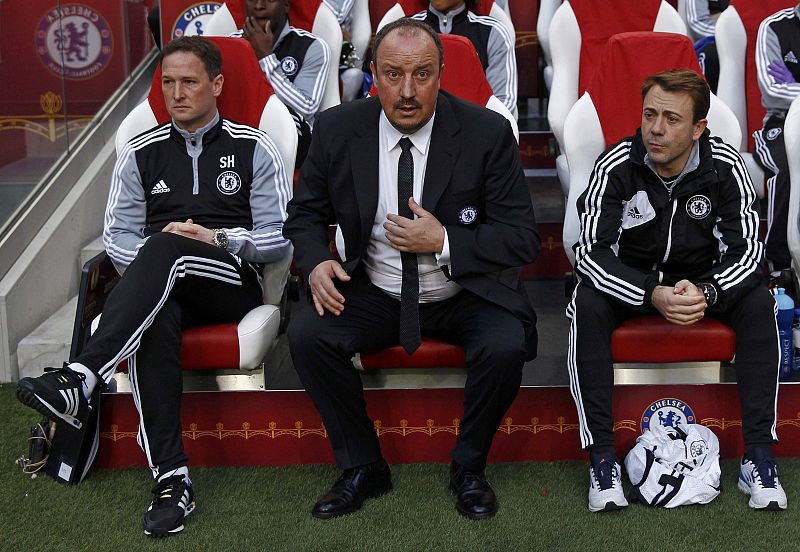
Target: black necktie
x,y
409,291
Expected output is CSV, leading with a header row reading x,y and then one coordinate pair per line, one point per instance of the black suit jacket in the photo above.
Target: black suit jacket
x,y
473,162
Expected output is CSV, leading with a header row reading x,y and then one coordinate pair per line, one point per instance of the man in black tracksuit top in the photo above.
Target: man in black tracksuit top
x,y
668,225
778,67
195,207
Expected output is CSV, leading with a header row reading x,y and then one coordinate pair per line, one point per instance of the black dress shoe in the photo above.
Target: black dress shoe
x,y
475,498
353,487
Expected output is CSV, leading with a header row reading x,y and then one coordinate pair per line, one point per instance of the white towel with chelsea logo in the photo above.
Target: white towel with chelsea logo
x,y
673,466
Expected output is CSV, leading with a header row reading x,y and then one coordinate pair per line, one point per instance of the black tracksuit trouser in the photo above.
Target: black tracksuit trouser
x,y
594,316
173,283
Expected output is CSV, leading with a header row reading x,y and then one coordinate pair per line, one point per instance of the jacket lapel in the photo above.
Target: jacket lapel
x,y
442,153
364,163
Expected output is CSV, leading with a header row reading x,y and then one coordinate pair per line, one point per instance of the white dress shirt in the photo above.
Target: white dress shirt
x,y
382,262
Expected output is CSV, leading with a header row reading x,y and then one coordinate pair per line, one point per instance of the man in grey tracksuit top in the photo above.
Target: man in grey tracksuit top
x,y
778,68
294,61
196,205
490,38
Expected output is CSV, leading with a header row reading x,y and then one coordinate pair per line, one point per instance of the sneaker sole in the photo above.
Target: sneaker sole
x,y
610,506
162,534
29,398
377,493
772,506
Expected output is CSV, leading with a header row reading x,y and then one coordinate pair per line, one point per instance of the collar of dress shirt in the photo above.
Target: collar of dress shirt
x,y
421,139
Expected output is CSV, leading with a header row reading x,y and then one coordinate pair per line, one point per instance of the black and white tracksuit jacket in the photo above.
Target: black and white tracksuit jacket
x,y
495,48
228,176
637,234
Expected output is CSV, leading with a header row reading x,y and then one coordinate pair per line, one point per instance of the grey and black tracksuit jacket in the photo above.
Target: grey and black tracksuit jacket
x,y
778,41
495,48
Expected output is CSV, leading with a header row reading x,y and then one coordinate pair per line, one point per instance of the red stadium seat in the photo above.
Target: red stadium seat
x,y
578,35
246,98
609,110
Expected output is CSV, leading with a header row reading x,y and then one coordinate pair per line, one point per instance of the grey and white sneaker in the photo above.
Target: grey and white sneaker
x,y
605,486
58,395
173,500
758,478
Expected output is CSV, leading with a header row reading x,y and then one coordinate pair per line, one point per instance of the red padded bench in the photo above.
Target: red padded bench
x,y
651,339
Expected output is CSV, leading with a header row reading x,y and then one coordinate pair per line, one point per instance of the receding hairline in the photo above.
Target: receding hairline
x,y
409,31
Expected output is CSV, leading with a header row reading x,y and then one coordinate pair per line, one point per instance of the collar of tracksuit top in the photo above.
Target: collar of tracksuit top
x,y
700,166
194,143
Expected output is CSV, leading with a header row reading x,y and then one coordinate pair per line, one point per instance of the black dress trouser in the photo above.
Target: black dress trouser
x,y
173,283
322,348
594,316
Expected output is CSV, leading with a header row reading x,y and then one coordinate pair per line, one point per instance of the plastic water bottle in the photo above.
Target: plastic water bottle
x,y
785,320
796,339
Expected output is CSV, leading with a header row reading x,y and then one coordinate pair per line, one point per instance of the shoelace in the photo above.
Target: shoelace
x,y
169,491
604,474
68,374
766,472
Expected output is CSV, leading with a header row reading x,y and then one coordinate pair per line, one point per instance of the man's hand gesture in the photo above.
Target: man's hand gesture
x,y
260,38
683,304
424,234
191,230
324,291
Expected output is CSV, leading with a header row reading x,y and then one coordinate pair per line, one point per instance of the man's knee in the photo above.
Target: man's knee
x,y
161,245
755,311
502,344
589,300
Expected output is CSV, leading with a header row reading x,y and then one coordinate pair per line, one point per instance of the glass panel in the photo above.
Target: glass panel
x,y
60,60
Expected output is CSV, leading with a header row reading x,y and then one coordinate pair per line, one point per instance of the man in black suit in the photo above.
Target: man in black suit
x,y
430,197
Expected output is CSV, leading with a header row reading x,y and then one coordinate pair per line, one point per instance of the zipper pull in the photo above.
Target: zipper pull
x,y
445,21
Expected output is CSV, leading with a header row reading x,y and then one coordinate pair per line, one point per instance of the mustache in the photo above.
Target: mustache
x,y
403,104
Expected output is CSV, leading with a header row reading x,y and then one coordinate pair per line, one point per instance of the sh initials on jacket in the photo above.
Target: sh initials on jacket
x,y
227,162
160,188
637,210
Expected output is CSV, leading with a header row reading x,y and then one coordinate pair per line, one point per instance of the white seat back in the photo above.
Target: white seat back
x,y
791,136
731,40
547,9
362,28
221,22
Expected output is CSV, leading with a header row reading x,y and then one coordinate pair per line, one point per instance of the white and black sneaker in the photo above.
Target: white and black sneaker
x,y
173,500
605,486
58,395
758,478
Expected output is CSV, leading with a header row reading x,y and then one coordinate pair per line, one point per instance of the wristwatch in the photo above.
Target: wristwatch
x,y
220,239
709,292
